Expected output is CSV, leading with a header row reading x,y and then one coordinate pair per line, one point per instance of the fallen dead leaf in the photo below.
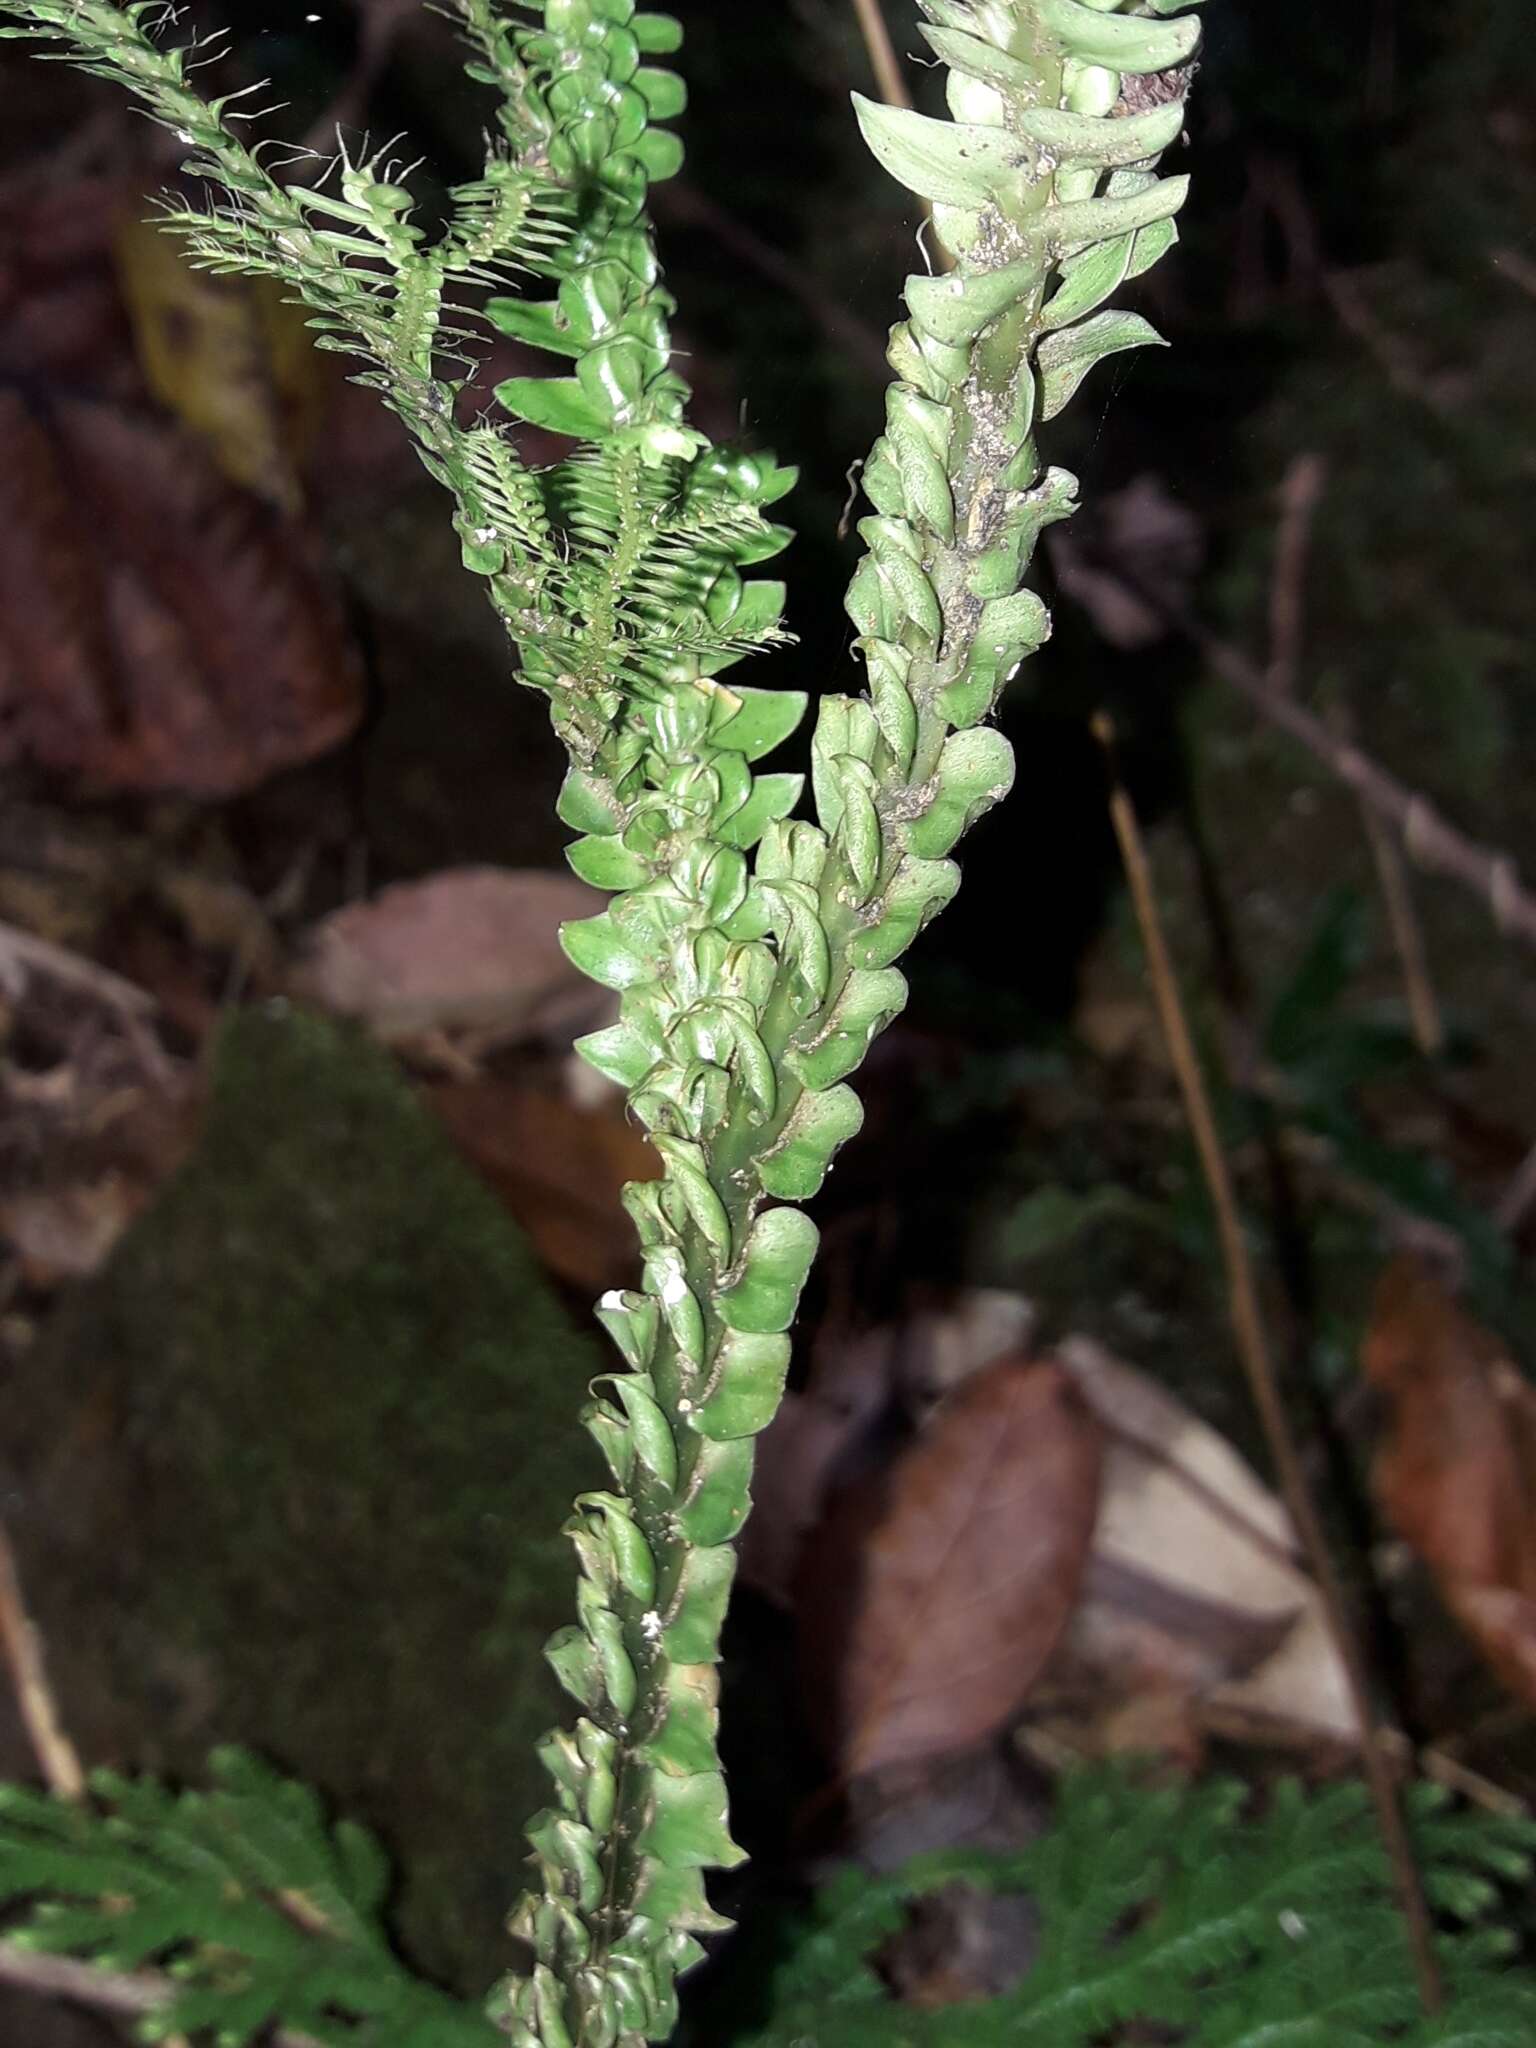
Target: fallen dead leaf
x,y
934,1593
1195,1586
160,630
1456,1474
229,356
472,948
559,1167
65,1233
1195,1614
85,1141
906,1368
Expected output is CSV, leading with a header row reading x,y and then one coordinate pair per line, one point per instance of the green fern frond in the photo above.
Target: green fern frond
x,y
1166,1908
353,255
609,570
621,563
260,1912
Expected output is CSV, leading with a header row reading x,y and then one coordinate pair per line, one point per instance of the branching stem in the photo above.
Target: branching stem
x,y
753,949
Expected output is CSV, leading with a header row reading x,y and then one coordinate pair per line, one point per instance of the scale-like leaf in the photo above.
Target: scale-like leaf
x,y
955,163
1068,355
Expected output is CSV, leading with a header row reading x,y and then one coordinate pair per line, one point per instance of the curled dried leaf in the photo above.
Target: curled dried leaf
x,y
933,1595
160,630
1456,1474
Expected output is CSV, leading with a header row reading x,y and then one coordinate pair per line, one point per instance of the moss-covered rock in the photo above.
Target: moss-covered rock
x,y
291,1473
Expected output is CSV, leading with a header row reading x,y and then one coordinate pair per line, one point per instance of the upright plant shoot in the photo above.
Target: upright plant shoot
x,y
754,949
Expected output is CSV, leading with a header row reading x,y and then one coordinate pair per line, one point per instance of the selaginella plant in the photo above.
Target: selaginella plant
x,y
754,947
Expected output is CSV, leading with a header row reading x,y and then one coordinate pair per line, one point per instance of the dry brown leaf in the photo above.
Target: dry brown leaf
x,y
559,1167
1456,1475
159,630
1194,1586
85,1141
941,1345
933,1595
64,1233
907,1367
1194,1611
475,948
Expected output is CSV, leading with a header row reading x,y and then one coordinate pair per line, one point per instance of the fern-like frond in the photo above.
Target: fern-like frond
x,y
1167,1908
648,566
262,1913
348,248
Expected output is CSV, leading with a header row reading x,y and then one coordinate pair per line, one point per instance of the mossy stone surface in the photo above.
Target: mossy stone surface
x,y
290,1472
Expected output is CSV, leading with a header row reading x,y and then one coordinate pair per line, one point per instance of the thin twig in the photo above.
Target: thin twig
x,y
1429,840
893,90
1436,846
23,953
25,949
1300,495
1407,936
1396,357
118,1991
1253,1349
882,53
1441,1768
22,1647
64,1776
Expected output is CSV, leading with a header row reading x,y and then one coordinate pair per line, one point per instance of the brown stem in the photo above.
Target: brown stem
x,y
118,1991
1253,1349
882,53
1407,936
22,1646
1300,495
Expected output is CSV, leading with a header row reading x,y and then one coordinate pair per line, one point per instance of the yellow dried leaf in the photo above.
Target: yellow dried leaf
x,y
229,356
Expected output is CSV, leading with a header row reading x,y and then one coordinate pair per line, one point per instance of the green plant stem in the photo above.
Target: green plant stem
x,y
749,996
754,952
